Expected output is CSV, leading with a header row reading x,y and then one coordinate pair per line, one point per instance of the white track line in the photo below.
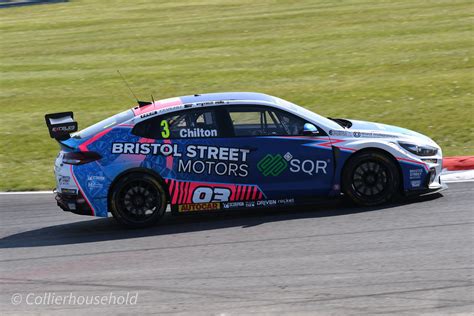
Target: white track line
x,y
26,192
457,176
446,177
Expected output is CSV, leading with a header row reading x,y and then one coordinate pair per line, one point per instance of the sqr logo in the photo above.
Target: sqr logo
x,y
272,165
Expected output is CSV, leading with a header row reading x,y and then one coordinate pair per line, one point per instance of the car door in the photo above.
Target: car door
x,y
282,161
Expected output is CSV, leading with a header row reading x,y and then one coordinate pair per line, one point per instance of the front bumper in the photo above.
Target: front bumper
x,y
431,186
74,203
433,190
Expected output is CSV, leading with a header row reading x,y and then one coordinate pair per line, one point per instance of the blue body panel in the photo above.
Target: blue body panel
x,y
295,167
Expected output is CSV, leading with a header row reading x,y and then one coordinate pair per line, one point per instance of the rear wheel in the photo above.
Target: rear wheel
x,y
371,178
138,200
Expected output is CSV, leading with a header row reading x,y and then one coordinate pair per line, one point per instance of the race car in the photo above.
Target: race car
x,y
235,150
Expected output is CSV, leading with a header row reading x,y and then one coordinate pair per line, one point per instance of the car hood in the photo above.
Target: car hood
x,y
389,131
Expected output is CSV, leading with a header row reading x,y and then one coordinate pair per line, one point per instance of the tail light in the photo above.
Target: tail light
x,y
80,157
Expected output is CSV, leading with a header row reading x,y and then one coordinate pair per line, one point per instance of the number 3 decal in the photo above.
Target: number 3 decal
x,y
165,132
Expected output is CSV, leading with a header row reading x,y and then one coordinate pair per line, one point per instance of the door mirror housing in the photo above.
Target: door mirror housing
x,y
310,130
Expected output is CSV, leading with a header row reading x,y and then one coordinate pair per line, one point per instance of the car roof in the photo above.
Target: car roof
x,y
227,96
207,97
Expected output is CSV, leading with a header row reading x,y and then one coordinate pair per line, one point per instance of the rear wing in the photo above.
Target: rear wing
x,y
60,125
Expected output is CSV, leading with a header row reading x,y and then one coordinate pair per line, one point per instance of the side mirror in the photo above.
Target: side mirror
x,y
310,130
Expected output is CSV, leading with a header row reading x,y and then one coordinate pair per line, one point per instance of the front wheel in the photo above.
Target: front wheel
x,y
370,178
138,200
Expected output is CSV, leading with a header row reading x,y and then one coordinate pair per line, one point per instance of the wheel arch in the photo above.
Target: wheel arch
x,y
381,151
127,172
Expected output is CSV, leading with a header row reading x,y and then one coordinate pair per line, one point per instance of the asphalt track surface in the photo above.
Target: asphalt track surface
x,y
411,258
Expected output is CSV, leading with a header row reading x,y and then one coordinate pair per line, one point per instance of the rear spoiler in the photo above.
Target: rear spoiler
x,y
60,125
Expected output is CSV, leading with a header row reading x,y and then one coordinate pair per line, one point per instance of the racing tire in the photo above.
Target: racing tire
x,y
371,178
138,200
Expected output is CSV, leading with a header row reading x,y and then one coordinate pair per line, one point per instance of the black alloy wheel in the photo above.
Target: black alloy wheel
x,y
371,178
138,200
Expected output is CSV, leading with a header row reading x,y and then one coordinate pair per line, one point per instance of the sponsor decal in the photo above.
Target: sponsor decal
x,y
416,173
96,178
239,204
145,149
249,204
340,133
272,165
69,191
373,135
94,185
70,128
161,111
95,182
197,207
258,203
186,192
192,151
287,201
197,159
415,183
212,160
311,167
64,180
213,168
217,153
147,114
199,104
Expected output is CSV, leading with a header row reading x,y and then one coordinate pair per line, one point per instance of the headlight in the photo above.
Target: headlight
x,y
419,150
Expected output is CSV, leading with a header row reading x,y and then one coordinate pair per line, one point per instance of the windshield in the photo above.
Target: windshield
x,y
302,111
107,123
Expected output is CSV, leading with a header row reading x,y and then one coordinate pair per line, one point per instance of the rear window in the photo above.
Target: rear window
x,y
102,125
184,124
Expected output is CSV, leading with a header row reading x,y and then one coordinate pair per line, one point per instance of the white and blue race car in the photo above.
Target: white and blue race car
x,y
235,150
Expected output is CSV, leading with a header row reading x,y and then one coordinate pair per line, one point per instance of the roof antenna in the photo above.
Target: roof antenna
x,y
152,99
140,103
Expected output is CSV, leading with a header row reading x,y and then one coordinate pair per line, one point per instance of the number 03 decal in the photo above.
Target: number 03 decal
x,y
165,131
207,194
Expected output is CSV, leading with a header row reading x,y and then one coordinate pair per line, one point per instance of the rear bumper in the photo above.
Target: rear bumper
x,y
74,203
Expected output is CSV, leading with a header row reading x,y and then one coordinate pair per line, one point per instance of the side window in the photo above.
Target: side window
x,y
261,121
184,124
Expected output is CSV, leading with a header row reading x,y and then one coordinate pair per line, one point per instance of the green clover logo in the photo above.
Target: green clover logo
x,y
272,165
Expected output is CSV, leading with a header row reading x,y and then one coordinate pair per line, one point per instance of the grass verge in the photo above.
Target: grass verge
x,y
407,63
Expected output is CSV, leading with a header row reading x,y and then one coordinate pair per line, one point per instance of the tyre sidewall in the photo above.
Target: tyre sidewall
x,y
122,218
393,186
